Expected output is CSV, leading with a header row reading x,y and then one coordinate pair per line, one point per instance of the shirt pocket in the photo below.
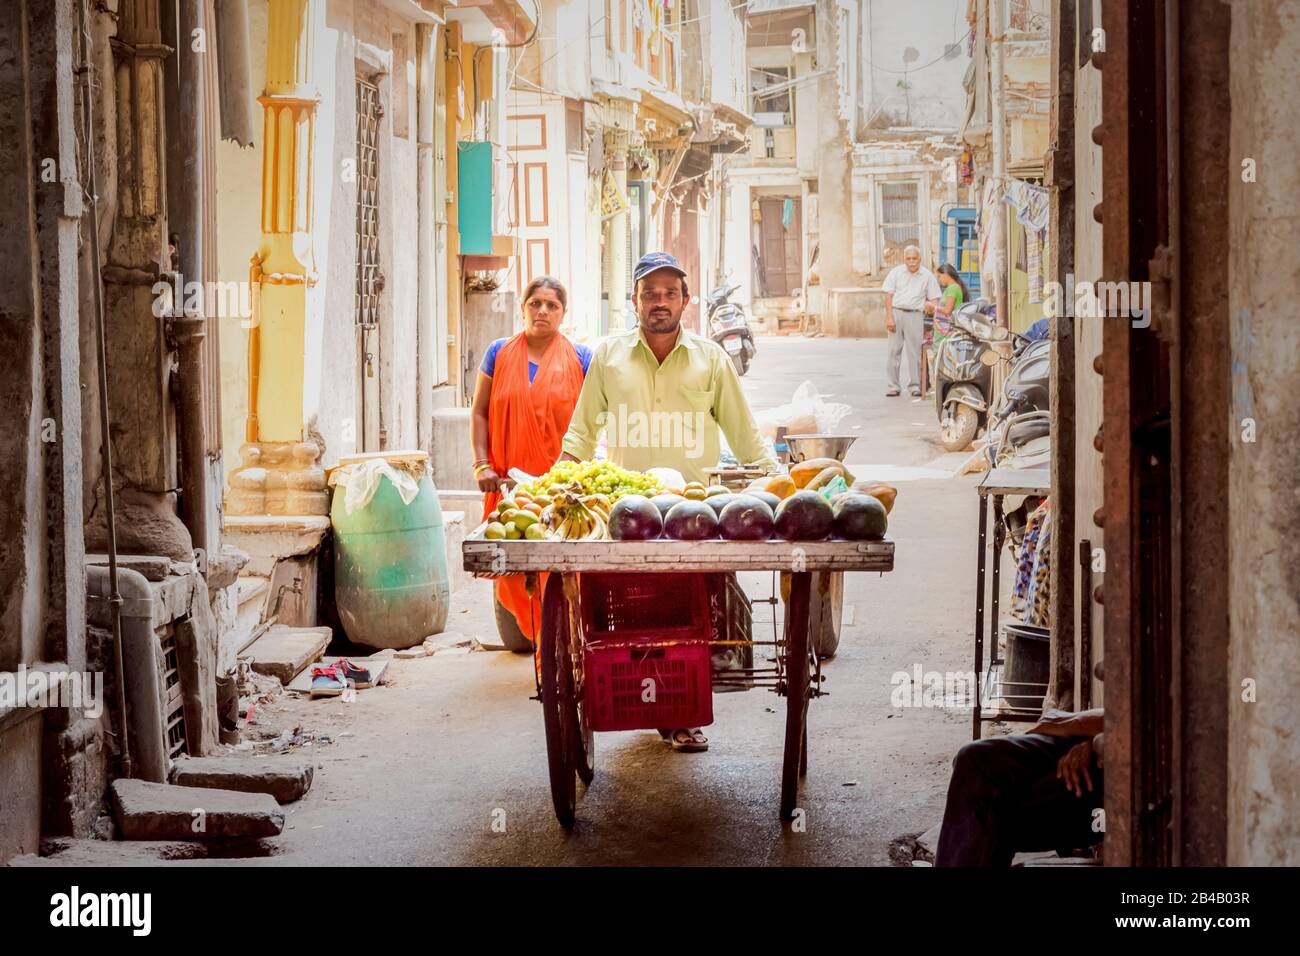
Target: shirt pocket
x,y
700,399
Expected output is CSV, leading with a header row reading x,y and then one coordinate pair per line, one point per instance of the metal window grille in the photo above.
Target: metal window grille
x,y
174,703
369,278
900,221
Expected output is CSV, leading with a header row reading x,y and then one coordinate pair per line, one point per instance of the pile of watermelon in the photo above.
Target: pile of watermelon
x,y
749,516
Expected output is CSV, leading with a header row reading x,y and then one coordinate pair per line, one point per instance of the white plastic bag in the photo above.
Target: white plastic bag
x,y
806,413
361,480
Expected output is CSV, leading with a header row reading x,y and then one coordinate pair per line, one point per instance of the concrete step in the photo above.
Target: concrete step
x,y
251,587
285,780
160,811
283,651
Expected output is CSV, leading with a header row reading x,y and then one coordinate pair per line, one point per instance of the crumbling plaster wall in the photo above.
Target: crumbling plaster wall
x,y
1264,563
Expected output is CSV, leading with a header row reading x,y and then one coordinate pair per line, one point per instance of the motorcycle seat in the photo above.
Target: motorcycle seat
x,y
1020,432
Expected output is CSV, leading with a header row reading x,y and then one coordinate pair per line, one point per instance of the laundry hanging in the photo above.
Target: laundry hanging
x,y
1032,590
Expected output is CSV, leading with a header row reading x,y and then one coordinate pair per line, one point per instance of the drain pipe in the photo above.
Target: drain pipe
x,y
188,331
112,593
130,603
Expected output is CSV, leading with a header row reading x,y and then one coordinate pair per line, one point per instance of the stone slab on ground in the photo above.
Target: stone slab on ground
x,y
286,780
375,664
160,811
67,852
439,642
283,651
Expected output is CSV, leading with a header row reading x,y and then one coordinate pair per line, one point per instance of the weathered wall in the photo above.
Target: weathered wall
x,y
42,590
20,785
893,94
1264,563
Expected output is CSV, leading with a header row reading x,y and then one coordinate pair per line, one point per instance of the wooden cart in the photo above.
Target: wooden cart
x,y
795,672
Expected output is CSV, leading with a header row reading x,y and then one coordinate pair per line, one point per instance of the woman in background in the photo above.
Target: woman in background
x,y
527,387
952,298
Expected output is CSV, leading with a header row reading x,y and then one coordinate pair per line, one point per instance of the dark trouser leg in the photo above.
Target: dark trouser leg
x,y
1004,797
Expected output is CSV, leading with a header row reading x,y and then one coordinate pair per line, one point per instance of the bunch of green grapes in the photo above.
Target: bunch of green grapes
x,y
596,477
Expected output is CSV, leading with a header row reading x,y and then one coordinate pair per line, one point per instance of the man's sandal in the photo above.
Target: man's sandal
x,y
689,741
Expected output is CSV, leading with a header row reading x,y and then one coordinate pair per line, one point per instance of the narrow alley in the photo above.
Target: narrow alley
x,y
418,771
744,435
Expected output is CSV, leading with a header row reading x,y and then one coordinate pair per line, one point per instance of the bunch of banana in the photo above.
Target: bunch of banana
x,y
575,517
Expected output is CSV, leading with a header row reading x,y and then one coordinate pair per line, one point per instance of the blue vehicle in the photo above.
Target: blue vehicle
x,y
959,243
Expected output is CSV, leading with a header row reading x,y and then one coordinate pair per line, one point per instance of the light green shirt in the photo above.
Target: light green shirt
x,y
664,416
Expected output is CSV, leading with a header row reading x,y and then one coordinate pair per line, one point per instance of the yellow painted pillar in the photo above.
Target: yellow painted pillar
x,y
280,472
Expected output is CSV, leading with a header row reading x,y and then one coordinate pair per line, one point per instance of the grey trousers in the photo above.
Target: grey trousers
x,y
909,330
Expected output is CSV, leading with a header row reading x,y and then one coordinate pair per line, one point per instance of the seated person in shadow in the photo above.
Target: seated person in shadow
x,y
1025,793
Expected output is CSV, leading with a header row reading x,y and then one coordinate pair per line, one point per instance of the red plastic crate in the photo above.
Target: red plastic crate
x,y
658,606
615,675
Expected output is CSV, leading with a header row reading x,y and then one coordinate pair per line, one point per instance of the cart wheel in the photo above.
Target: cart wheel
x,y
585,747
559,707
826,611
798,665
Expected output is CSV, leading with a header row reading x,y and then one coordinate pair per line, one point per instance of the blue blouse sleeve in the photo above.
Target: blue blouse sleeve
x,y
585,353
489,363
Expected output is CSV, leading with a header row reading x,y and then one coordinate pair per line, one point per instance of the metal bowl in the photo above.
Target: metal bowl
x,y
819,446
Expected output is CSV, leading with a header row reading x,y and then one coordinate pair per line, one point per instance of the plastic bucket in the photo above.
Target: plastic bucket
x,y
1025,672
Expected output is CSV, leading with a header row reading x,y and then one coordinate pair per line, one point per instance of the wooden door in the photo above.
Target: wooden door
x,y
779,246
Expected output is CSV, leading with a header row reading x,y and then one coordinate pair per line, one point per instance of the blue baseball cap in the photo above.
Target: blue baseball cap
x,y
653,262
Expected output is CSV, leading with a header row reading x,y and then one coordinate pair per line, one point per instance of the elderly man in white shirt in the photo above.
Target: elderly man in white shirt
x,y
907,288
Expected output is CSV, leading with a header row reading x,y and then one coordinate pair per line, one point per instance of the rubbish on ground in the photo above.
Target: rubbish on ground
x,y
377,664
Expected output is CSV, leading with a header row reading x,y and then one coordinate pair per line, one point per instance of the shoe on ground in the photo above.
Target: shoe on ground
x,y
326,681
892,393
359,676
916,393
689,740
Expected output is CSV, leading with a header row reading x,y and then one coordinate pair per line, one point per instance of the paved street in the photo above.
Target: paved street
x,y
418,768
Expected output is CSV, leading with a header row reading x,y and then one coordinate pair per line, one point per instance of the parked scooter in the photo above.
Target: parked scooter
x,y
1019,435
963,373
729,327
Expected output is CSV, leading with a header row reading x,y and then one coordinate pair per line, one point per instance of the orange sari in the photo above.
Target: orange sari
x,y
526,426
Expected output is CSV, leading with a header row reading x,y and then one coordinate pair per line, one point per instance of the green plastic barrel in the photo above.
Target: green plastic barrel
x,y
390,567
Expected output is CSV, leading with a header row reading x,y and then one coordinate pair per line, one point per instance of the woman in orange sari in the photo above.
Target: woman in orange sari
x,y
527,387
